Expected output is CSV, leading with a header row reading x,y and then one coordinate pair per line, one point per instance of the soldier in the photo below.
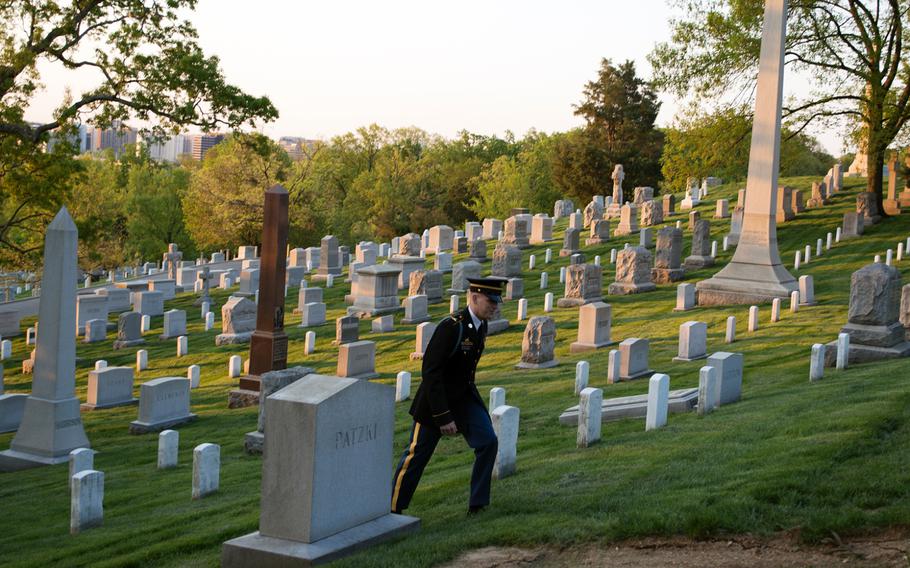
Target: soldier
x,y
447,402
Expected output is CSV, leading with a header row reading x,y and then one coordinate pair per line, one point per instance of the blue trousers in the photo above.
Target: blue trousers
x,y
477,429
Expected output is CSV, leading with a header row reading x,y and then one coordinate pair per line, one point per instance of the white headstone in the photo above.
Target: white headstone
x,y
86,500
81,459
522,309
192,373
168,446
235,364
582,371
730,336
142,360
794,301
206,469
708,390
843,350
548,302
775,310
753,318
693,341
497,398
310,343
817,362
403,386
589,416
505,424
658,399
182,348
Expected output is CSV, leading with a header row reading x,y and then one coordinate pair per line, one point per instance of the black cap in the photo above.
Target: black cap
x,y
492,287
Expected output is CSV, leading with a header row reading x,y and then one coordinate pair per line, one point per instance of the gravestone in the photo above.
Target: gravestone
x,y
442,262
442,238
424,334
308,296
95,331
11,408
570,244
669,205
86,500
600,232
729,376
593,212
701,247
505,425
206,469
633,359
118,299
406,266
163,403
427,283
477,251
109,387
357,360
651,213
538,344
873,318
584,284
628,220
755,274
238,321
491,228
473,231
89,307
377,291
867,206
633,272
854,225
51,425
594,324
516,232
541,229
415,310
460,274
693,341
506,261
329,258
312,314
174,324
347,329
658,402
668,256
642,194
269,384
784,211
798,204
325,488
409,245
249,283
563,208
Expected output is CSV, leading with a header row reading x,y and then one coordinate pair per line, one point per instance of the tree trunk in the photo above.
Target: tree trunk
x,y
875,162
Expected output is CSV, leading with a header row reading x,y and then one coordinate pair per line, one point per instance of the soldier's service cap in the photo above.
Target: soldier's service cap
x,y
492,287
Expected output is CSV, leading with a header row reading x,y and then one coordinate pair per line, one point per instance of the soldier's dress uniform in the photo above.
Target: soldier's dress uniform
x,y
447,393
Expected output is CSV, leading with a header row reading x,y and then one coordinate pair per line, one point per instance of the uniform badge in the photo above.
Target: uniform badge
x,y
467,344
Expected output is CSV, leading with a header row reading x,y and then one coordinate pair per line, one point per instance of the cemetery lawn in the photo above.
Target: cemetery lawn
x,y
813,459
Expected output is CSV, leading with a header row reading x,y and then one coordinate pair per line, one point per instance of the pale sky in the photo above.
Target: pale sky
x,y
487,67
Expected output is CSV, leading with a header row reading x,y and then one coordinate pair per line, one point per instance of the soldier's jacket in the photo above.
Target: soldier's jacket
x,y
449,366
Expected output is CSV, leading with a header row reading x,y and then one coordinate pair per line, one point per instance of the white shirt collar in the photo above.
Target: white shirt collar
x,y
474,318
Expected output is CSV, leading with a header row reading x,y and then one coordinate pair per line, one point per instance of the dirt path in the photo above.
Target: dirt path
x,y
783,551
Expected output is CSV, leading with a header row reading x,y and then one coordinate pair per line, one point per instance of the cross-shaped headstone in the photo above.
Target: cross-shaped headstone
x,y
205,275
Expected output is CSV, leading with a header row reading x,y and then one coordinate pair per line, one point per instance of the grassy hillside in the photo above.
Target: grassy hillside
x,y
791,455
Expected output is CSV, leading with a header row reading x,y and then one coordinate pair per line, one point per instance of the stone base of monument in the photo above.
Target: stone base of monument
x,y
253,443
867,353
497,326
683,400
892,206
363,377
241,398
623,288
568,252
233,338
697,261
415,321
667,275
125,344
637,375
544,365
255,550
753,284
139,427
678,359
575,302
11,408
578,347
362,312
89,407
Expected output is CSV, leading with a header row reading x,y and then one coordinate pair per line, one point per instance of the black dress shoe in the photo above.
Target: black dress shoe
x,y
475,510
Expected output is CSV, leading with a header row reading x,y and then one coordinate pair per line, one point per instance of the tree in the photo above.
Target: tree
x,y
154,208
717,144
224,204
851,49
150,67
619,109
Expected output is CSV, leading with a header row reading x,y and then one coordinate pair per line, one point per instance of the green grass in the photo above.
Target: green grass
x,y
829,456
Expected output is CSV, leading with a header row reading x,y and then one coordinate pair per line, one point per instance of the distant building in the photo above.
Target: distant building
x,y
116,138
295,146
171,149
202,143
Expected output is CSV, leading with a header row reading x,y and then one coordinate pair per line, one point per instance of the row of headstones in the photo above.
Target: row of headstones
x,y
87,484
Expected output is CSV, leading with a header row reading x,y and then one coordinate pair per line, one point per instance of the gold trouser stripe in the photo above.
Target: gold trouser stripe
x,y
404,467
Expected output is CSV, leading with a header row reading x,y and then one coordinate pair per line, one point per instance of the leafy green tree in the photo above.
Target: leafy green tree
x,y
224,203
150,68
155,210
619,109
851,49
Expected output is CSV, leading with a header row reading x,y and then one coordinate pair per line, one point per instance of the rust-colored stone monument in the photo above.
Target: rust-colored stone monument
x,y
269,344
